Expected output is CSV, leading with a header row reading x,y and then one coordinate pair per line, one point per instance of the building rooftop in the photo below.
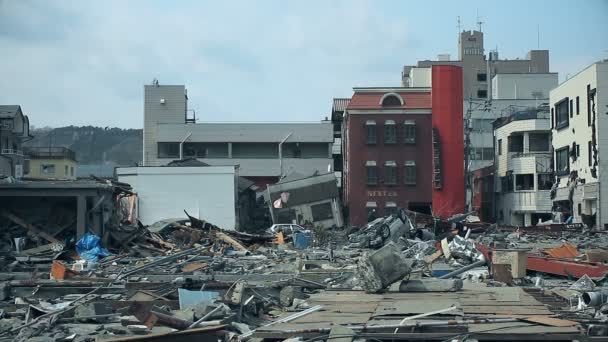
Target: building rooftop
x,y
50,153
531,114
9,111
340,104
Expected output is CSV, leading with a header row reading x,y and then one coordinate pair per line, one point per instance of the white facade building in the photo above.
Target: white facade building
x,y
579,109
206,192
523,168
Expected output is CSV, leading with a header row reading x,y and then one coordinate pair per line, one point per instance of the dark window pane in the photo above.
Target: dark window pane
x,y
390,134
524,182
482,93
482,77
255,150
372,175
391,101
410,174
562,162
539,142
545,181
321,212
371,133
390,174
516,143
168,150
561,114
409,133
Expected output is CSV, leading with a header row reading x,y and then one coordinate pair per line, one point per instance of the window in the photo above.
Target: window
x,y
578,150
571,108
482,77
500,147
590,153
321,212
409,132
539,142
391,100
205,150
482,125
390,132
168,150
552,118
390,208
524,182
47,169
588,104
72,171
370,130
255,150
65,170
544,181
410,173
305,150
516,143
482,93
482,153
578,106
370,207
562,162
372,173
561,114
390,173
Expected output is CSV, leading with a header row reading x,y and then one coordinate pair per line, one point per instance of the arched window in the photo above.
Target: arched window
x,y
391,100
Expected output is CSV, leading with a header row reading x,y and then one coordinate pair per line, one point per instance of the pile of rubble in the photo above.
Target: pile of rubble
x,y
189,279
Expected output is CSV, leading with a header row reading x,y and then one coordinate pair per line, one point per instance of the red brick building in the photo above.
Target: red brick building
x,y
403,147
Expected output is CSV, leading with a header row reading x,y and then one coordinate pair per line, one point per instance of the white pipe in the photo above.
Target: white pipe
x,y
181,145
281,153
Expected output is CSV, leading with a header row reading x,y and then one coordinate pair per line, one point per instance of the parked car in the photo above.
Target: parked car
x,y
286,228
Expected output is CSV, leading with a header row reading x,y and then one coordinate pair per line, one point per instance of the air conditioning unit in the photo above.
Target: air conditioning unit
x,y
162,101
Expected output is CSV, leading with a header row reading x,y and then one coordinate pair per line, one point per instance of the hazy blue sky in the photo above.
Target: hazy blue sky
x,y
85,62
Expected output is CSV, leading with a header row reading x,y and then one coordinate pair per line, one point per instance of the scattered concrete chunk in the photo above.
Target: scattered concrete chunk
x,y
379,269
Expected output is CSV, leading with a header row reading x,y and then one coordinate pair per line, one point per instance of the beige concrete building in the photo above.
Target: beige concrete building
x,y
479,69
50,163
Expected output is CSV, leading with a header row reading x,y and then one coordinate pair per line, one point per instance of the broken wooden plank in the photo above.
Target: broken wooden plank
x,y
30,227
232,242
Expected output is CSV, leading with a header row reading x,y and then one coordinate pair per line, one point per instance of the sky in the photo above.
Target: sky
x,y
85,62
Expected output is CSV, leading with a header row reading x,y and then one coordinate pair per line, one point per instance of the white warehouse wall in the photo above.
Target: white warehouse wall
x,y
165,192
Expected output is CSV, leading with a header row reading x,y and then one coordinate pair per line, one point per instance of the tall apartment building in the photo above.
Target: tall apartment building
x,y
403,147
263,152
523,169
579,121
14,130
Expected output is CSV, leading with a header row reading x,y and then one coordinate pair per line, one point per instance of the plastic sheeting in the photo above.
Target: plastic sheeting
x,y
89,248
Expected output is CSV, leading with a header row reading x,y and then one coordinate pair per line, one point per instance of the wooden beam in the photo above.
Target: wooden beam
x,y
30,227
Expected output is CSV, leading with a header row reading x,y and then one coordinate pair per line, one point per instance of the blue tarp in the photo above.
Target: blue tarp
x,y
89,248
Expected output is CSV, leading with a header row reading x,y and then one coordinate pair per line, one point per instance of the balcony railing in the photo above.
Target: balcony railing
x,y
50,153
10,151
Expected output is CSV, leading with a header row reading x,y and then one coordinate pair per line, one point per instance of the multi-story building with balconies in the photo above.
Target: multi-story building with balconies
x,y
14,130
524,174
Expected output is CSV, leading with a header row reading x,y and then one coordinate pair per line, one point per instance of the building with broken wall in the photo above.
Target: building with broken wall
x,y
263,151
209,192
523,168
14,130
307,201
404,148
579,122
